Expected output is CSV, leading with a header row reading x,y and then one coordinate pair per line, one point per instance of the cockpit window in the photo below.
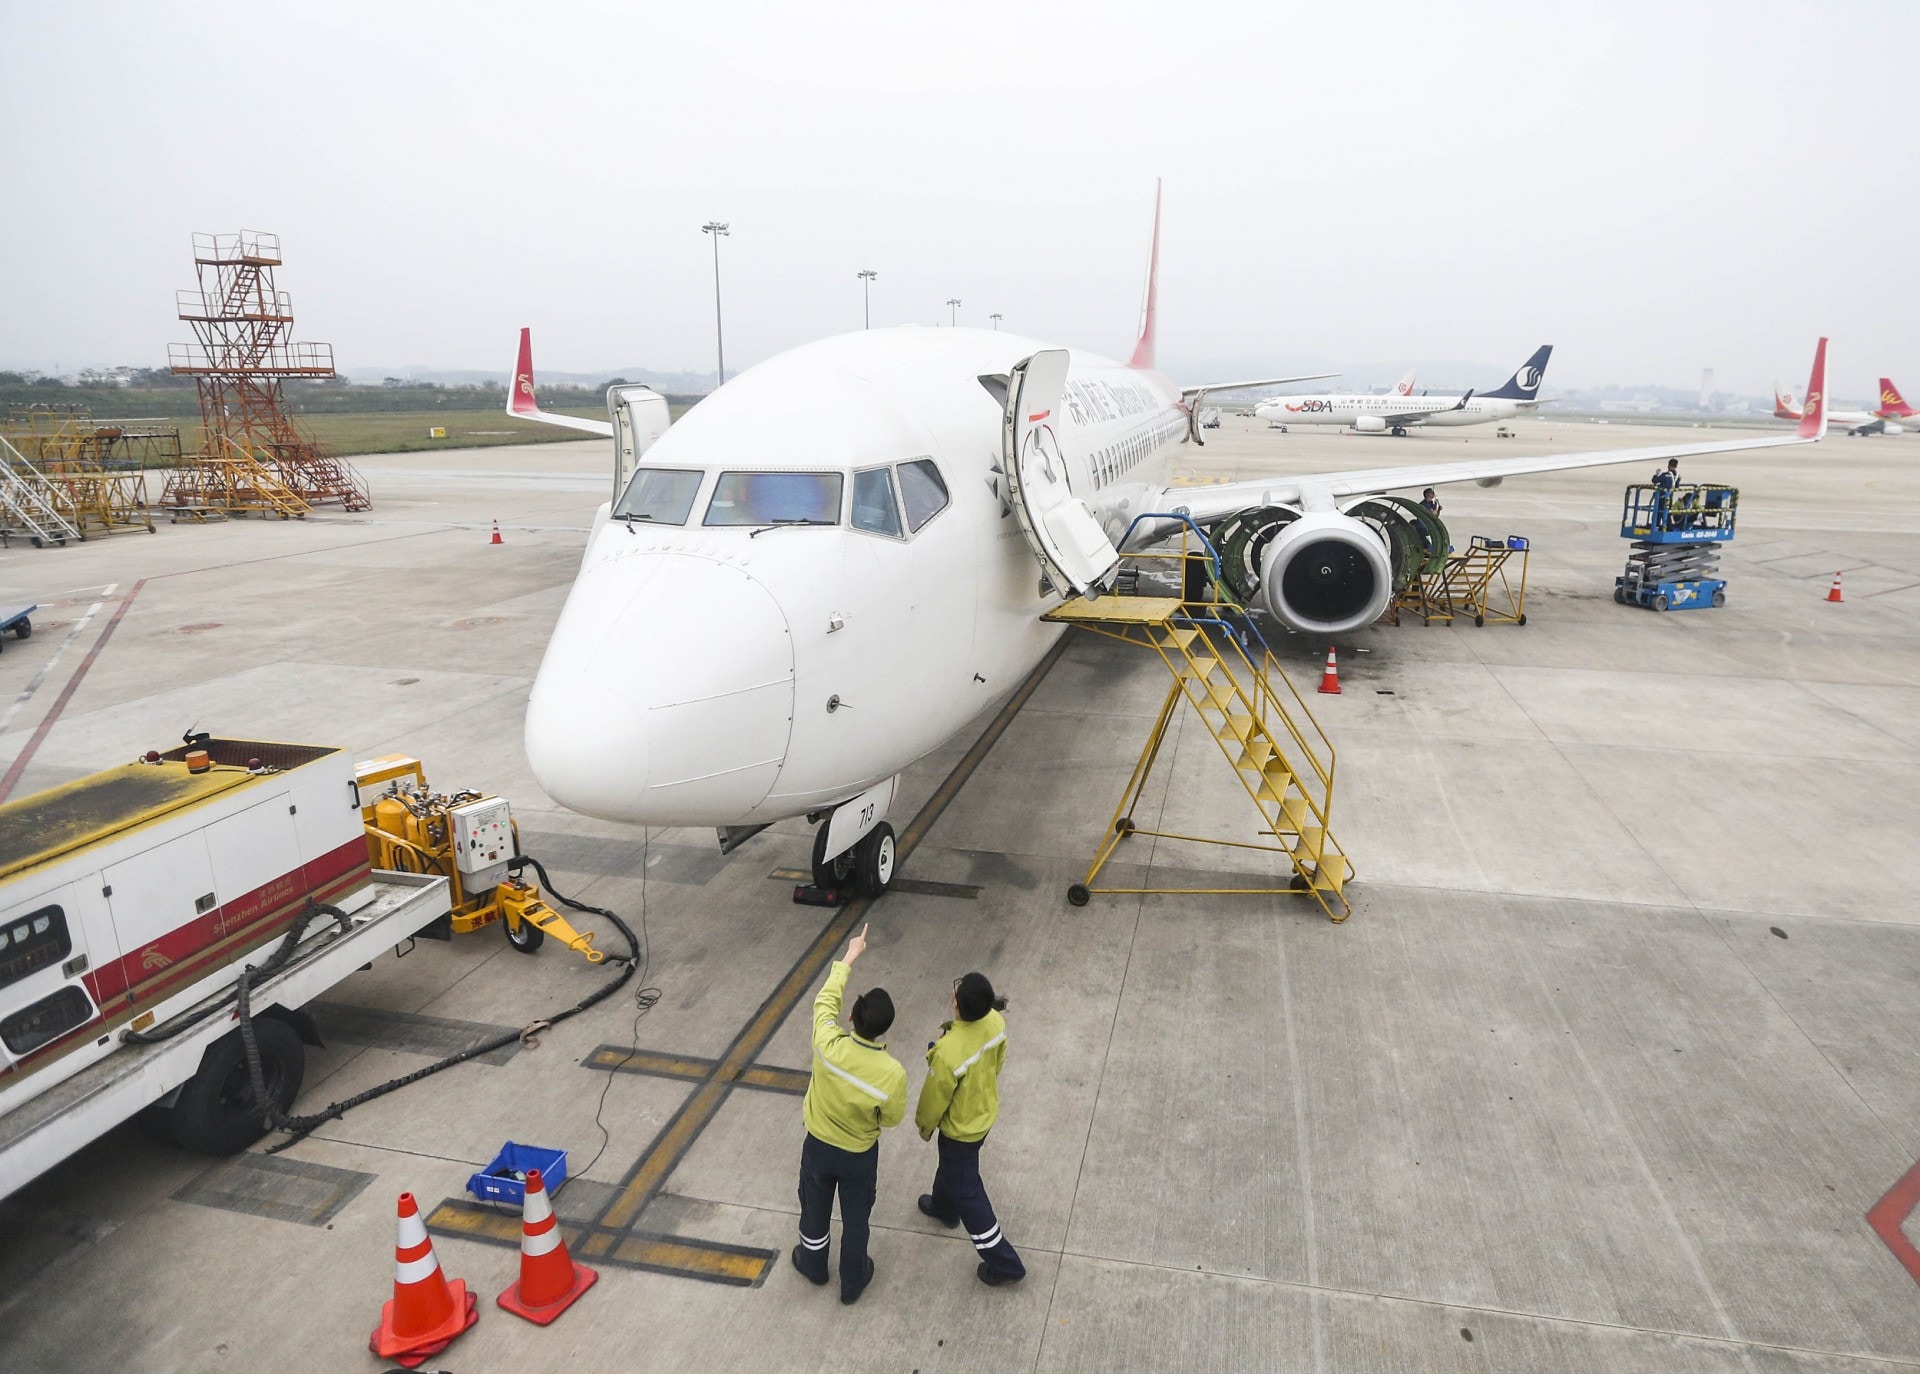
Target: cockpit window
x,y
662,496
873,504
923,491
775,498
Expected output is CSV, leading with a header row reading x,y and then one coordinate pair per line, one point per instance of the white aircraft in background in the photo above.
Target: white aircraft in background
x,y
835,561
1892,407
1401,411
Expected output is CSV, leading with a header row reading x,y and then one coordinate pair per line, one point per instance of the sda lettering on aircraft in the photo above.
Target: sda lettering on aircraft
x,y
1314,405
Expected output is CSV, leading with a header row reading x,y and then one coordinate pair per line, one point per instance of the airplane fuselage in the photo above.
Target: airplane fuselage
x,y
1354,411
725,671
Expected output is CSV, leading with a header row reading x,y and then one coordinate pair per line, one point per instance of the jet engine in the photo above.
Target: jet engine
x,y
1327,573
1370,424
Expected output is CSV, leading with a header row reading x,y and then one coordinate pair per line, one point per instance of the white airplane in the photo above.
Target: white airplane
x,y
832,564
1397,413
1856,422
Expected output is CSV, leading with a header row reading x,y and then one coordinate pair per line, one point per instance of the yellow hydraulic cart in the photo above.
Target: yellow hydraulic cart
x,y
467,838
1275,749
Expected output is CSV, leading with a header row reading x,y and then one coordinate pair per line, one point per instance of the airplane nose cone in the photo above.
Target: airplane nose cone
x,y
666,693
588,747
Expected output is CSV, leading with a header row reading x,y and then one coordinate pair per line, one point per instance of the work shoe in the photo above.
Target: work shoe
x,y
849,1296
992,1277
926,1206
806,1273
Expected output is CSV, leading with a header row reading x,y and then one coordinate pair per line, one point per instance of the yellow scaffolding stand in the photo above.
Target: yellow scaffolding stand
x,y
1474,584
1287,776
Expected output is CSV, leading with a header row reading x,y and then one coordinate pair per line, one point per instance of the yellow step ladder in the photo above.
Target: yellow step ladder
x,y
1286,770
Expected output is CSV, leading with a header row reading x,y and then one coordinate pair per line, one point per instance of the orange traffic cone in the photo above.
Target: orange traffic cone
x,y
549,1279
426,1311
1330,680
496,534
1833,592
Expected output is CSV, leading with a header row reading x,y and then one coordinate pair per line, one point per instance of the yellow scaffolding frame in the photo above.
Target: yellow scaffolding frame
x,y
1464,586
1232,692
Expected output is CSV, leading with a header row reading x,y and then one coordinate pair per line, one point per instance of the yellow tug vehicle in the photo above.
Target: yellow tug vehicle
x,y
469,838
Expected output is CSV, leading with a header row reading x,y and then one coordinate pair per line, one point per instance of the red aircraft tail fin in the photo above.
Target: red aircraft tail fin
x,y
1891,401
1143,349
1813,413
1783,406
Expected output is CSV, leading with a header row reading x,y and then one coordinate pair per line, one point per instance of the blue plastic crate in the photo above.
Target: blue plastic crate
x,y
1516,541
504,1180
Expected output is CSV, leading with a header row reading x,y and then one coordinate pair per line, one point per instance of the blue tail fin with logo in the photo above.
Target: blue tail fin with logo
x,y
1524,385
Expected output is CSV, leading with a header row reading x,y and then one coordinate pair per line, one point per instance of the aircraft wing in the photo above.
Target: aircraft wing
x,y
1191,392
522,405
1218,502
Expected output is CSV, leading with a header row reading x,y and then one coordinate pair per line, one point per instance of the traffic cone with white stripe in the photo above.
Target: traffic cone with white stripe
x,y
427,1310
1330,680
549,1279
496,534
1833,592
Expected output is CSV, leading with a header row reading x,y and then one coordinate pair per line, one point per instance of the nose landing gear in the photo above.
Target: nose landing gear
x,y
854,848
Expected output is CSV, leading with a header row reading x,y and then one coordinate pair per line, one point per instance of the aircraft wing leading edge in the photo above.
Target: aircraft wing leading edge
x,y
1218,502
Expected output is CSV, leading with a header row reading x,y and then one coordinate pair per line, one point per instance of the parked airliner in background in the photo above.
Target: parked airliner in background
x,y
840,557
1401,411
1881,421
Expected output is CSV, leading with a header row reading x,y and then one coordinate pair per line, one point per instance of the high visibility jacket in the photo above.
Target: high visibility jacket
x,y
961,1097
858,1089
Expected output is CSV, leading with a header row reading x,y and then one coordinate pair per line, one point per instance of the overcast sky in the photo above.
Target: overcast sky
x,y
1654,189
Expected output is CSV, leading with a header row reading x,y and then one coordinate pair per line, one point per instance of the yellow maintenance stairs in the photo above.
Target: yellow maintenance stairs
x,y
1223,670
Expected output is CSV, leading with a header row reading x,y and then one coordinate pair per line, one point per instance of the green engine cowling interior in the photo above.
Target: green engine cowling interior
x,y
1416,536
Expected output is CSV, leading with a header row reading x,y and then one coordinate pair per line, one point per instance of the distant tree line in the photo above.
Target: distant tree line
x,y
157,392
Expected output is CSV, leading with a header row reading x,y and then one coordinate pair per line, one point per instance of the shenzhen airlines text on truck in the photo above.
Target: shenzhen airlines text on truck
x,y
131,900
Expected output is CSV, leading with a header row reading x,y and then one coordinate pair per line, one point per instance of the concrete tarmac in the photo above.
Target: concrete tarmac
x,y
1605,1072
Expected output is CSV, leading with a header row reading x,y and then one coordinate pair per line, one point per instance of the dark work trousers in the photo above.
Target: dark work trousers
x,y
823,1168
959,1193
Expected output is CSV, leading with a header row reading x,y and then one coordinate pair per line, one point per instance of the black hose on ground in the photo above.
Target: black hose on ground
x,y
299,1127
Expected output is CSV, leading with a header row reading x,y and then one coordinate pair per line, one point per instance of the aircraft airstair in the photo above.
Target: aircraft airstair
x,y
25,499
1225,674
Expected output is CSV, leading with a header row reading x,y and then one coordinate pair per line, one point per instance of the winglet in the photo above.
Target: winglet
x,y
520,396
1813,411
1143,349
524,404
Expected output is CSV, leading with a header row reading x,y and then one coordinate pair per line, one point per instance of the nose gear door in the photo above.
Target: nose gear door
x,y
1074,551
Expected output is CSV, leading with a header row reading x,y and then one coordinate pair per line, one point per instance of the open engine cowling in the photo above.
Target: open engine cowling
x,y
1326,573
1370,424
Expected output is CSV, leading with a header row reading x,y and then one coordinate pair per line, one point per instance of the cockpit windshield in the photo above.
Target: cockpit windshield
x,y
662,496
775,498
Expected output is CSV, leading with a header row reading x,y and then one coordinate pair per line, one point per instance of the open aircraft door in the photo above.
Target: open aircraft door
x,y
1074,551
640,417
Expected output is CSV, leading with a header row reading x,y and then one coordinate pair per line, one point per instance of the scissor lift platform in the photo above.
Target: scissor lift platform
x,y
1675,532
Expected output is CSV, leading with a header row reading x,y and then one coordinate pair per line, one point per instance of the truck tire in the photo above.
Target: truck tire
x,y
216,1113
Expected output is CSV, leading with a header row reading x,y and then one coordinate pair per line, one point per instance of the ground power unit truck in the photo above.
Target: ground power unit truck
x,y
130,902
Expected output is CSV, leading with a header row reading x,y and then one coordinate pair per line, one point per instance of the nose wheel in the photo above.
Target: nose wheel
x,y
873,859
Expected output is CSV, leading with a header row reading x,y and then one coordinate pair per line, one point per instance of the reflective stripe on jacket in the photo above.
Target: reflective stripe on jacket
x,y
961,1097
857,1089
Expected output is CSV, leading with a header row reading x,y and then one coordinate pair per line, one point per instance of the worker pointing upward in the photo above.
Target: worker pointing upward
x,y
857,1091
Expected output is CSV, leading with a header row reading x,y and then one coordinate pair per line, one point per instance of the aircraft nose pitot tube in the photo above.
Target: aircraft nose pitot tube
x,y
666,693
1326,573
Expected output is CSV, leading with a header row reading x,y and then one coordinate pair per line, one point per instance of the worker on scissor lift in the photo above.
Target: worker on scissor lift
x,y
961,1100
857,1091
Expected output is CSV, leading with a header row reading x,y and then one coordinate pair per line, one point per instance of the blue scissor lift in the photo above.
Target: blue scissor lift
x,y
1674,532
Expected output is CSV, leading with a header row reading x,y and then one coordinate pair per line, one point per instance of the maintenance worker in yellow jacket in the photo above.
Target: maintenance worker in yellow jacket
x,y
961,1100
857,1091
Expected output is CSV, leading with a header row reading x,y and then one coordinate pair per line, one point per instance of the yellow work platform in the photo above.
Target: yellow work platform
x,y
1285,768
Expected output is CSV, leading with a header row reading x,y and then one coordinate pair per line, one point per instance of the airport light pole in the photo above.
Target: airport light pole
x,y
953,311
995,317
867,274
719,231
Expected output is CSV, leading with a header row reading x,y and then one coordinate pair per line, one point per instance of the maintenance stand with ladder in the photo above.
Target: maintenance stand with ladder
x,y
1223,669
1674,531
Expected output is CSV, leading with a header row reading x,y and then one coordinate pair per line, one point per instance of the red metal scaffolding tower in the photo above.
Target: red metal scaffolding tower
x,y
253,455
